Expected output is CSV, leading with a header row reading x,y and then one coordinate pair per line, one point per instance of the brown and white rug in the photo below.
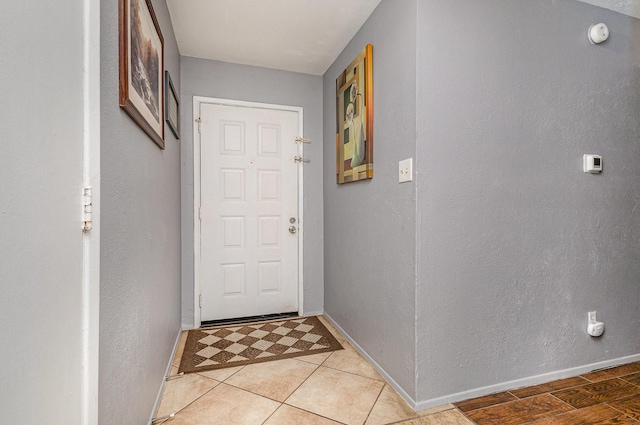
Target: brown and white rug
x,y
237,345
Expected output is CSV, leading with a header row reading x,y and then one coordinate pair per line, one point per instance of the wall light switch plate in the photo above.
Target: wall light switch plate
x,y
405,170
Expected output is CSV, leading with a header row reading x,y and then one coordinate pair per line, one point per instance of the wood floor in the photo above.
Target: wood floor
x,y
605,397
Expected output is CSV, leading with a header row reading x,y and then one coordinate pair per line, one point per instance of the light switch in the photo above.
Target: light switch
x,y
405,170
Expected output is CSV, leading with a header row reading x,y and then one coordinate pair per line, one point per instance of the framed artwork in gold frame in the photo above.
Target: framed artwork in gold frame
x,y
354,119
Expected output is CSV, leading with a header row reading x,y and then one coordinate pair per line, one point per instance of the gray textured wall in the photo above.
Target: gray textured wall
x,y
240,82
40,228
516,243
140,245
370,226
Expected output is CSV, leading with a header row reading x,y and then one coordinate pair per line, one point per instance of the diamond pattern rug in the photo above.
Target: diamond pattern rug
x,y
237,345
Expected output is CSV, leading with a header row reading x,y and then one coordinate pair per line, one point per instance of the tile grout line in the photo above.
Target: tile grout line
x,y
305,380
406,421
619,411
272,413
540,394
564,402
201,395
327,367
629,382
206,392
241,367
298,387
353,373
374,403
419,417
582,409
267,397
517,400
573,409
549,392
465,415
301,384
197,398
551,417
491,405
317,367
339,370
356,374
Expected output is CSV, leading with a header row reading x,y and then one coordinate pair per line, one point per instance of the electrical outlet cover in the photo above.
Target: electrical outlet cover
x,y
405,170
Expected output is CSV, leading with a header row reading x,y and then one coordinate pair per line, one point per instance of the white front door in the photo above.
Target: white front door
x,y
248,211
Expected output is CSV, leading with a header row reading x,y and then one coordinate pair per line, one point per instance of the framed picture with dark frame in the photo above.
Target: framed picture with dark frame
x,y
171,105
142,67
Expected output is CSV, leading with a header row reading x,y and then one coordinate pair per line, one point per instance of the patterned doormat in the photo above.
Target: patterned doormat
x,y
237,345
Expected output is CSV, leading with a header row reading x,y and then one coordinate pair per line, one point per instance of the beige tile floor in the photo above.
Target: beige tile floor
x,y
322,389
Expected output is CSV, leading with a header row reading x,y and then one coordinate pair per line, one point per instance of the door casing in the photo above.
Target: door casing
x,y
197,101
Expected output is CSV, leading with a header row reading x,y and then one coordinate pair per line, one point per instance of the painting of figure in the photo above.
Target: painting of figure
x,y
354,133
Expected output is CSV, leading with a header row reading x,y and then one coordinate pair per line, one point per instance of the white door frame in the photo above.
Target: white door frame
x,y
197,101
91,239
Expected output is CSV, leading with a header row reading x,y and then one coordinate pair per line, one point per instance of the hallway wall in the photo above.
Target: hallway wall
x,y
208,78
140,257
479,275
41,127
516,243
370,226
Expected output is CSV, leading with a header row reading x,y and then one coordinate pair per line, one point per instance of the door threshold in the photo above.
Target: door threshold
x,y
250,319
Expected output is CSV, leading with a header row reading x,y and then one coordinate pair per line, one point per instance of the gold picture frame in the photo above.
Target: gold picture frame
x,y
354,119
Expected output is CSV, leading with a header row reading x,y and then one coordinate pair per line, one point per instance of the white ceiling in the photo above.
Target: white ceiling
x,y
295,35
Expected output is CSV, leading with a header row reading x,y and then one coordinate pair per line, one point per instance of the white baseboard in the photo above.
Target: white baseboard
x,y
482,391
524,382
156,405
380,370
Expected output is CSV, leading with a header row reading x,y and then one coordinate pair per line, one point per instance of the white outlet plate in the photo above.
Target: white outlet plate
x,y
405,170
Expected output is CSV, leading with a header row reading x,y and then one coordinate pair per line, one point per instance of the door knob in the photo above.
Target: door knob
x,y
292,230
